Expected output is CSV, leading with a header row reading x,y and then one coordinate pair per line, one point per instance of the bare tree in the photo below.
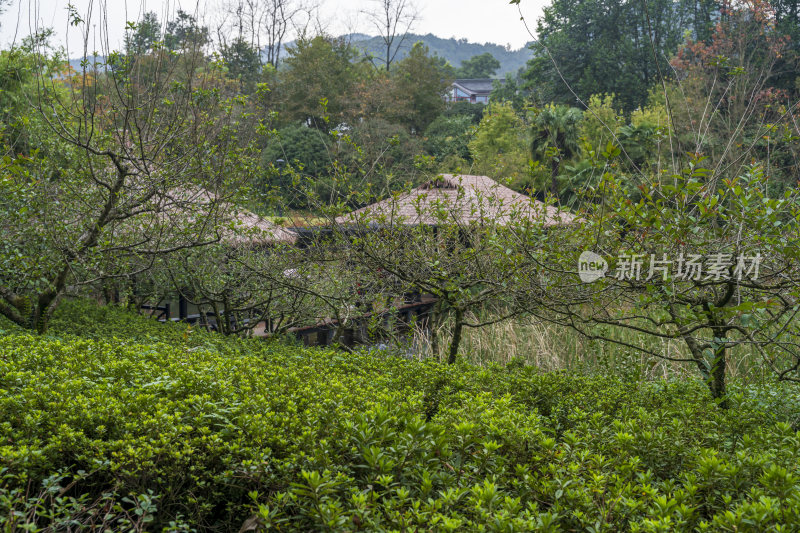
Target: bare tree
x,y
265,24
393,19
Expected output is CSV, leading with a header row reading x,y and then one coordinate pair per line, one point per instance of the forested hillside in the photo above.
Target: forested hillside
x,y
454,51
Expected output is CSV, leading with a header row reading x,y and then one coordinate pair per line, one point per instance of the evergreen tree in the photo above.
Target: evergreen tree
x,y
144,35
318,83
605,46
422,80
480,66
556,136
184,33
243,63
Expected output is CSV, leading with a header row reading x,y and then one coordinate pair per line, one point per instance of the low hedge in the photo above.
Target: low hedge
x,y
113,421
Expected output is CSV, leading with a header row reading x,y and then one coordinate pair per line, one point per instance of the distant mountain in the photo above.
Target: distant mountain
x,y
453,50
77,63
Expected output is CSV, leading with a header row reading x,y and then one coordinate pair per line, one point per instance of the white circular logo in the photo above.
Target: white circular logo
x,y
591,267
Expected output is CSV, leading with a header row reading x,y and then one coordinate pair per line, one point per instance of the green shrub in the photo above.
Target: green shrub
x,y
135,425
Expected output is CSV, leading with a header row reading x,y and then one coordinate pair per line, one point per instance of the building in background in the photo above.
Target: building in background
x,y
474,91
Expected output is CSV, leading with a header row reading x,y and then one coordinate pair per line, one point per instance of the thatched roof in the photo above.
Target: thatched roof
x,y
237,226
461,199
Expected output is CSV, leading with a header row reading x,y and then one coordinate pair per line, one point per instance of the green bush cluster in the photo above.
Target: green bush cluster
x,y
118,422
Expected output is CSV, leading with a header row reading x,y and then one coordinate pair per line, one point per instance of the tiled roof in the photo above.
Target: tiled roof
x,y
459,199
476,86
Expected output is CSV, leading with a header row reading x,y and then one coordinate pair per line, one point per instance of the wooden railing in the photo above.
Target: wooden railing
x,y
415,310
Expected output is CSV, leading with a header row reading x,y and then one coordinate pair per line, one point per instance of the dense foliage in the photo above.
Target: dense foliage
x,y
667,126
117,420
611,46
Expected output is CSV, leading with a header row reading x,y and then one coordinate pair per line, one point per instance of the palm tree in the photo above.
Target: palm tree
x,y
555,134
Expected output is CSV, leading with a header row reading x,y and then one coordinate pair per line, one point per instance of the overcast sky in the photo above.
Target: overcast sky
x,y
476,20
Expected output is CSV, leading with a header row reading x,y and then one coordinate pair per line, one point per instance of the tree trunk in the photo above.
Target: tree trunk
x,y
43,305
108,293
716,380
228,317
47,302
433,321
204,318
457,329
714,374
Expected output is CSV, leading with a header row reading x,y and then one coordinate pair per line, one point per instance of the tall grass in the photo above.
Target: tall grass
x,y
551,347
